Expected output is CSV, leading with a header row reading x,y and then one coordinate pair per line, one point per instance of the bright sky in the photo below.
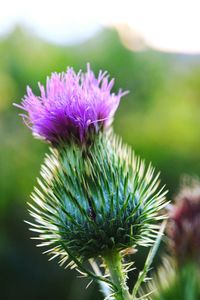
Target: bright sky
x,y
172,25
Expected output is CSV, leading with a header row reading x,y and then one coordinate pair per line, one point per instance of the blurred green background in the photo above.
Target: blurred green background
x,y
160,119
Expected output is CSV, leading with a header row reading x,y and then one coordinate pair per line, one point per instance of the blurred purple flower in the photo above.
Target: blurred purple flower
x,y
72,106
184,223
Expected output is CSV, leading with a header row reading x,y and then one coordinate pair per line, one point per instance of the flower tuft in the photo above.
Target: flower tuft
x,y
71,107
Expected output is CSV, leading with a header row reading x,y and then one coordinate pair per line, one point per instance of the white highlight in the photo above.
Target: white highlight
x,y
170,25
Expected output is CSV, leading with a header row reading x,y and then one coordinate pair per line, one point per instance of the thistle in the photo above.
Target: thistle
x,y
183,229
172,282
178,276
95,200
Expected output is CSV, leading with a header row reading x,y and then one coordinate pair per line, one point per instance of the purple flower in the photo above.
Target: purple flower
x,y
184,223
72,106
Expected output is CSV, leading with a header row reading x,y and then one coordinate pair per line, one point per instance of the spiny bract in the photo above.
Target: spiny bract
x,y
170,282
95,200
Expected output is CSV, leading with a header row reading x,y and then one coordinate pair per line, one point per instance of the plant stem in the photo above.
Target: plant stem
x,y
149,260
113,262
105,288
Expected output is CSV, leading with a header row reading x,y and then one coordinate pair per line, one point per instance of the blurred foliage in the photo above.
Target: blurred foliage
x,y
183,284
159,118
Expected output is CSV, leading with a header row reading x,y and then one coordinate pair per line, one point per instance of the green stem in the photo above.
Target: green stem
x,y
113,262
149,260
105,288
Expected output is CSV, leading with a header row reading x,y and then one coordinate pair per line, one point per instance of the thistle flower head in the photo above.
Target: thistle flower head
x,y
72,106
183,229
96,200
